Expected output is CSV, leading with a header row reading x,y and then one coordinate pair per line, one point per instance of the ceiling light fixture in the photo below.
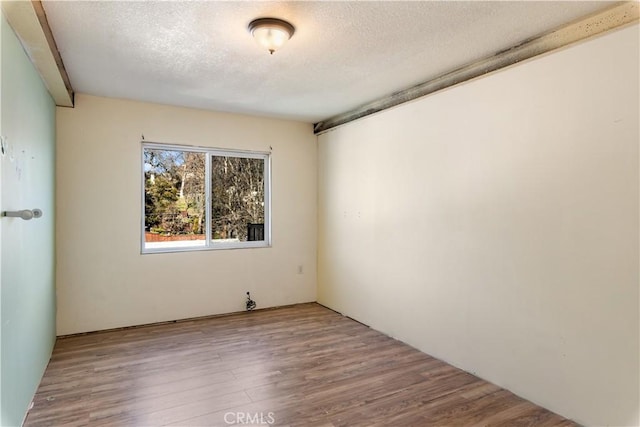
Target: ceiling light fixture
x,y
271,33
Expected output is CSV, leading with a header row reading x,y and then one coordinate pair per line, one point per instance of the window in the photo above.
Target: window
x,y
198,198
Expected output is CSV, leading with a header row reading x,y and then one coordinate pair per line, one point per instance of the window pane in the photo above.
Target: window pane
x,y
237,199
174,198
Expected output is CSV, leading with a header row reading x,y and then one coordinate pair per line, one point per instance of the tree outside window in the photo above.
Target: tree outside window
x,y
176,184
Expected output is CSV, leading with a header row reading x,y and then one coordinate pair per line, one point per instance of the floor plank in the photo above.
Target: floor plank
x,y
303,365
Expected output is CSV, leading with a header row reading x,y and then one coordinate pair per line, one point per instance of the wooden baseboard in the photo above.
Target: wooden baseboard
x,y
187,319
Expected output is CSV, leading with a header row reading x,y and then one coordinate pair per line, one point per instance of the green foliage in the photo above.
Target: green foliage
x,y
175,199
174,191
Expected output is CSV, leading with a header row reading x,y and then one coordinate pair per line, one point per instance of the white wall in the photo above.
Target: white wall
x,y
495,225
104,281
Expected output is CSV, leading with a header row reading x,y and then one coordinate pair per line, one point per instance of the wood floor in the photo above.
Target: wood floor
x,y
300,366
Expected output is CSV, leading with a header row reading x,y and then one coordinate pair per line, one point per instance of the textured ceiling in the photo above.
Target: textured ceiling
x,y
343,54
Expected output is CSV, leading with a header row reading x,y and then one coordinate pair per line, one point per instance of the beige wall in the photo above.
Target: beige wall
x,y
102,279
495,225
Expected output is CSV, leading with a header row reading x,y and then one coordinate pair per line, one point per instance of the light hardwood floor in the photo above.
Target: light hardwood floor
x,y
303,365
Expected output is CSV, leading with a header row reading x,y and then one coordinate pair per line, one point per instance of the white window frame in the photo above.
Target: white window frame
x,y
210,244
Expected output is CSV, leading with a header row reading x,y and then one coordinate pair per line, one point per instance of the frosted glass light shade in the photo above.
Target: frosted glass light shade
x,y
271,33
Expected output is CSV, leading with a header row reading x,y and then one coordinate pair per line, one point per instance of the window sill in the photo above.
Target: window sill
x,y
188,247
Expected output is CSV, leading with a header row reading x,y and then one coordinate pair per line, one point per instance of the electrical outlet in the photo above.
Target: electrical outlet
x,y
300,269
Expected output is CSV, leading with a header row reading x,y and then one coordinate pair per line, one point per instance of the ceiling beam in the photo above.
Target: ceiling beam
x,y
618,16
29,21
